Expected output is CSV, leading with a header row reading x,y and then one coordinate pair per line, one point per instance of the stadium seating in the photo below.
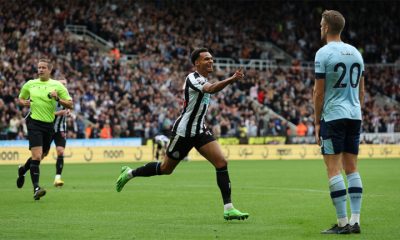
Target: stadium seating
x,y
143,97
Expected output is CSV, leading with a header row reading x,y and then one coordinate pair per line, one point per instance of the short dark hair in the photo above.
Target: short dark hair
x,y
46,60
196,53
334,20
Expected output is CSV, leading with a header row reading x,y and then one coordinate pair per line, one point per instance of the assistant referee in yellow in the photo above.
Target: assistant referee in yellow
x,y
41,95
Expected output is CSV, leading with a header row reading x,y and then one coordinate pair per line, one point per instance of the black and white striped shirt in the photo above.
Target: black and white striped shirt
x,y
162,138
60,123
191,122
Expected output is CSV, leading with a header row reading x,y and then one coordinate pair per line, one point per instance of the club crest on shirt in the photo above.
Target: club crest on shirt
x,y
201,81
175,154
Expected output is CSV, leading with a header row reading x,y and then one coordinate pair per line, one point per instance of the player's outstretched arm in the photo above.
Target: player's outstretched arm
x,y
218,86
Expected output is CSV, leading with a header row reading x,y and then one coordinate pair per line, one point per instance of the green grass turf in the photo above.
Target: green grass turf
x,y
285,199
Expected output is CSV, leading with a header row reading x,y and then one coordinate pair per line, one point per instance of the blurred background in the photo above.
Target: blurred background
x,y
126,61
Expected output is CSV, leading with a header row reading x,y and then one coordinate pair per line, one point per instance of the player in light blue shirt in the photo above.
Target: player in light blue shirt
x,y
341,65
338,97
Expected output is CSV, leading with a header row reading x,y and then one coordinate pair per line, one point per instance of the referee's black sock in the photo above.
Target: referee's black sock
x,y
59,164
27,165
35,173
224,183
150,169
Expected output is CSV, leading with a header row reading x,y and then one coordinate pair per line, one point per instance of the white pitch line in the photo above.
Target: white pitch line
x,y
261,188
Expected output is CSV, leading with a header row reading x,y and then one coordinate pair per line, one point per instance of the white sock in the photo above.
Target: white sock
x,y
130,175
355,218
342,221
58,177
228,206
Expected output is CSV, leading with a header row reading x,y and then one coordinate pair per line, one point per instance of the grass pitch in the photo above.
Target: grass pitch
x,y
285,199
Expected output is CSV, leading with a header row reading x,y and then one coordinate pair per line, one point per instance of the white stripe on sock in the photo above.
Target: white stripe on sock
x,y
342,221
355,218
228,206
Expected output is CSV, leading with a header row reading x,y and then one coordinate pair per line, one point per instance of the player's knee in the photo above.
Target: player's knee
x,y
333,167
349,163
350,169
60,152
333,171
221,163
166,171
37,156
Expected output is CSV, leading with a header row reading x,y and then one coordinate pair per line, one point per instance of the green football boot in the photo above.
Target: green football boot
x,y
235,214
122,179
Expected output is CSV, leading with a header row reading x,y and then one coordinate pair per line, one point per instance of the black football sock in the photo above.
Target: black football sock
x,y
35,173
224,183
59,164
27,165
150,169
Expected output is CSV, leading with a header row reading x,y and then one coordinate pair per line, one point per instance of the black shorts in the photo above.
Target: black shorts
x,y
159,146
341,135
40,134
60,139
179,146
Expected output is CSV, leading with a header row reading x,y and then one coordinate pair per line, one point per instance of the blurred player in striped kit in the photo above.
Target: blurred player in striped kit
x,y
159,146
60,137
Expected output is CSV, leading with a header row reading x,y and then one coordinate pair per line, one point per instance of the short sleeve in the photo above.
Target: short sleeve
x,y
24,94
199,83
63,92
320,66
196,82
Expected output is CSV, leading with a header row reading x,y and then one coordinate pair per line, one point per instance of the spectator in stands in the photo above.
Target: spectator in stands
x,y
152,80
88,130
310,128
105,132
301,128
95,131
3,128
13,129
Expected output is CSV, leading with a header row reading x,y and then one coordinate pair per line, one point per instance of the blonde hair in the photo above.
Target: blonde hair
x,y
334,20
46,60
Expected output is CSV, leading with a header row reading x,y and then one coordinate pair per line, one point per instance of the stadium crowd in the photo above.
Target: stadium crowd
x,y
168,27
142,97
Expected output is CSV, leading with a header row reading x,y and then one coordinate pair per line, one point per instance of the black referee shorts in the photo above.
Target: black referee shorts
x,y
40,134
179,146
